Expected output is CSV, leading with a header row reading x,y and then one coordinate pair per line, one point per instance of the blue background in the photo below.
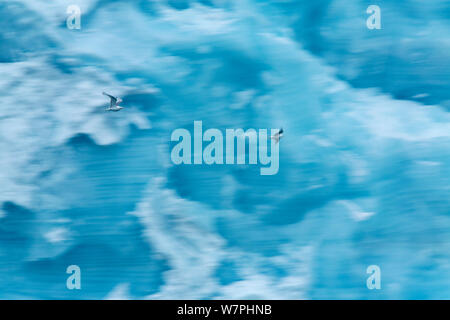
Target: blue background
x,y
364,174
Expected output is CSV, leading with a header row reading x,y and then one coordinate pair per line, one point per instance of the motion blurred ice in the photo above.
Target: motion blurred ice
x,y
364,168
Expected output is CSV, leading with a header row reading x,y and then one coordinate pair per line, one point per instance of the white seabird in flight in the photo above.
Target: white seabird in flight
x,y
277,136
114,103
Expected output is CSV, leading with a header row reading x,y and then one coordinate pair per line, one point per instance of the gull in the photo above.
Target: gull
x,y
114,104
277,136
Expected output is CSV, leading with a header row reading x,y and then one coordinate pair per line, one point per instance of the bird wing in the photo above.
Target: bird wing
x,y
275,137
113,99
